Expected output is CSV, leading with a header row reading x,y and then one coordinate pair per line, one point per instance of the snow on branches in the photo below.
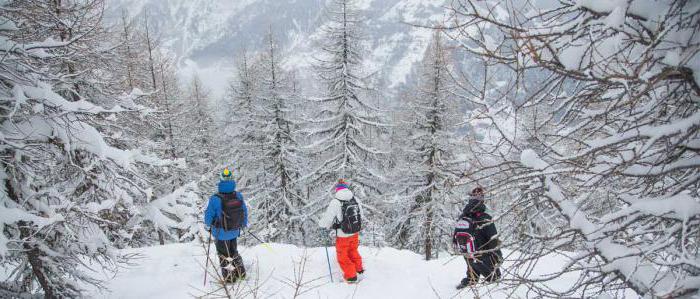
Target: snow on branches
x,y
603,157
69,186
345,115
429,162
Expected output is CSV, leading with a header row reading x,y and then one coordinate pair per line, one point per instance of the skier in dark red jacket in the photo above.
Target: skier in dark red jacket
x,y
486,260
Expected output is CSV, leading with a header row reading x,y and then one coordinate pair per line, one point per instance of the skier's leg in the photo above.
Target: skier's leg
x,y
492,263
496,274
354,254
473,270
471,278
498,264
223,257
239,271
342,249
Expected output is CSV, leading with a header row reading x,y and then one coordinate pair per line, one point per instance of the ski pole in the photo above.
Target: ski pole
x,y
206,264
264,244
328,259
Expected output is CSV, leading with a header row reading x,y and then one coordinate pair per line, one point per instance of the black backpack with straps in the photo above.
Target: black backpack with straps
x,y
351,222
232,211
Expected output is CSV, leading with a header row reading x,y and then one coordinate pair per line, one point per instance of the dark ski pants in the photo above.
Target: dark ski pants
x,y
485,265
231,262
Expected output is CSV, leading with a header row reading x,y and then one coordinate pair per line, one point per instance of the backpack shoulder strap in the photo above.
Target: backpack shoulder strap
x,y
345,203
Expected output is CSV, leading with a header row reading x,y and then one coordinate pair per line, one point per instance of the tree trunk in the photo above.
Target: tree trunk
x,y
429,235
34,259
161,240
33,255
151,64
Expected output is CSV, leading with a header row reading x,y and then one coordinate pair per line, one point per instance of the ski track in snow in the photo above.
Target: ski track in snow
x,y
175,271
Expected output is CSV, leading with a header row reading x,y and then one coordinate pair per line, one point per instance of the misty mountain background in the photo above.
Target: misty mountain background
x,y
207,35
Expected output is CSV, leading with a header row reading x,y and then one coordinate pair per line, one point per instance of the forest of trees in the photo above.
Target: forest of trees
x,y
580,120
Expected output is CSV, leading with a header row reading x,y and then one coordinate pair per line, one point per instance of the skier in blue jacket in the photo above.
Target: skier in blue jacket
x,y
225,216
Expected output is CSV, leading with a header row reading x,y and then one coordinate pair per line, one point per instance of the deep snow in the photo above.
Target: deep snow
x,y
175,271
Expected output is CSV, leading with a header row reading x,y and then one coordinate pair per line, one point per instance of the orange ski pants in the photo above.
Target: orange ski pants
x,y
349,259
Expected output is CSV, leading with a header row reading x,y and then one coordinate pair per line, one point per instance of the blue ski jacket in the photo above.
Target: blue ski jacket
x,y
214,210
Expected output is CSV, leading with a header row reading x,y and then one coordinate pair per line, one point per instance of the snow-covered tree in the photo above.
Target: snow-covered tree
x,y
278,198
133,52
429,165
614,174
241,128
344,115
68,192
197,128
169,110
171,139
142,68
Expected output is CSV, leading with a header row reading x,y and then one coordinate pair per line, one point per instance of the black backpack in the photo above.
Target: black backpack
x,y
232,213
464,237
351,222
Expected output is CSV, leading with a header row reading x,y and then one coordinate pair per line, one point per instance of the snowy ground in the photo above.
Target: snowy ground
x,y
175,271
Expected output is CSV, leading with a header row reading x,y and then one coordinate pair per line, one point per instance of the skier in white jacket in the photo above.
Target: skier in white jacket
x,y
344,216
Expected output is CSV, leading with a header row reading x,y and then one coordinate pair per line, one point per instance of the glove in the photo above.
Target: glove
x,y
335,225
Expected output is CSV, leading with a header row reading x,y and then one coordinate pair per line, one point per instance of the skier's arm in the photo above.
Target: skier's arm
x,y
211,211
330,215
491,235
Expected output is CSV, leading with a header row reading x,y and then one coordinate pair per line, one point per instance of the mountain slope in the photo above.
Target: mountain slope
x,y
206,34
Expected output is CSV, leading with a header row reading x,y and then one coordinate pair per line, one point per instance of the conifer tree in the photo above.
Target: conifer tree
x,y
339,132
241,126
197,127
69,185
430,163
278,197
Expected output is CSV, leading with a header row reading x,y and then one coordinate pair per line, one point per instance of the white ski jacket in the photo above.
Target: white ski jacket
x,y
334,212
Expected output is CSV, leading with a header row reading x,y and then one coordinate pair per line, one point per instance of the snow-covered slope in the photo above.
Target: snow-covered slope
x,y
176,271
207,34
